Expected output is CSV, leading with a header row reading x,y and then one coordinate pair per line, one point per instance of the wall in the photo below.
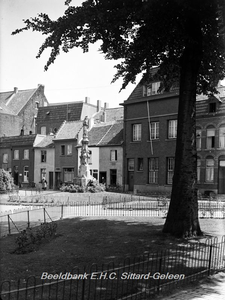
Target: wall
x,y
66,161
9,125
28,113
161,110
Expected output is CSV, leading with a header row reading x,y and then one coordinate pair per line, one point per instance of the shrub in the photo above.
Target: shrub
x,y
29,239
93,187
6,181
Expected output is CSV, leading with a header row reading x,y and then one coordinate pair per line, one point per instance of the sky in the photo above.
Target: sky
x,y
73,76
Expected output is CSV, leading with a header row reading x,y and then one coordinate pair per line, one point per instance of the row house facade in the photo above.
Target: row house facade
x,y
150,129
17,157
106,152
44,160
66,155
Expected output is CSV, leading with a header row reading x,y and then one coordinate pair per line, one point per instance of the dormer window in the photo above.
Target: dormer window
x,y
151,88
212,107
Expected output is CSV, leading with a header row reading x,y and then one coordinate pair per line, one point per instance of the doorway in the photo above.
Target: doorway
x,y
221,177
131,180
102,177
50,180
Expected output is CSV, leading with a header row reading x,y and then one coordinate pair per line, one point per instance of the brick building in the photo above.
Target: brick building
x,y
210,141
49,119
66,154
17,156
18,110
150,129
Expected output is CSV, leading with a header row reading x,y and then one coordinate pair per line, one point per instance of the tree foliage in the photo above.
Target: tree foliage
x,y
140,33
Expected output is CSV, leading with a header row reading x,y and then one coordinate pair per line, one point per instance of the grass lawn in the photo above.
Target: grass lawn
x,y
84,241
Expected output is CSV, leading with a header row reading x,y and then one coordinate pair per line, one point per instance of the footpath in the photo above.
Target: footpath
x,y
211,288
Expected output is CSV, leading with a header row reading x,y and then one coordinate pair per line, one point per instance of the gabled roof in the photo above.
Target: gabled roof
x,y
107,134
45,142
114,135
69,130
60,112
17,140
97,132
13,102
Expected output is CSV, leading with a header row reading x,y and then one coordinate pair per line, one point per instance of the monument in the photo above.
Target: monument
x,y
84,172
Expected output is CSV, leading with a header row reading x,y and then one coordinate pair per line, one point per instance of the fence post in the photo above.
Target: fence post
x,y
28,219
61,212
44,215
83,288
210,258
160,266
9,225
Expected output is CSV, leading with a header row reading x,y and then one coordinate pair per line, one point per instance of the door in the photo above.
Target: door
x,y
131,180
221,177
58,181
102,177
50,180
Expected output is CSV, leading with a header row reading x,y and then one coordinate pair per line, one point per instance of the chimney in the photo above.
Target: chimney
x,y
41,87
106,105
98,105
87,100
15,90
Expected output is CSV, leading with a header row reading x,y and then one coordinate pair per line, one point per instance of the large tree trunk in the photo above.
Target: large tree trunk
x,y
182,218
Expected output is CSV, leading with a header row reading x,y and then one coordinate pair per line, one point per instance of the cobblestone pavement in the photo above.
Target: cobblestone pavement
x,y
209,288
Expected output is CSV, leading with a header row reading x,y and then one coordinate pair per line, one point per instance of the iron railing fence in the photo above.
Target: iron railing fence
x,y
15,221
136,278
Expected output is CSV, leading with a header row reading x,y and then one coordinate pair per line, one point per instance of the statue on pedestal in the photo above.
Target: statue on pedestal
x,y
84,171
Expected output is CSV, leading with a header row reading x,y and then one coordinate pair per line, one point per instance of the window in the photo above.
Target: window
x,y
26,174
36,104
5,158
153,170
154,130
69,149
136,132
113,155
222,137
113,176
95,174
43,173
26,154
62,149
43,155
198,168
172,129
130,164
140,164
151,89
170,169
210,143
209,169
68,174
198,138
212,107
43,130
16,154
